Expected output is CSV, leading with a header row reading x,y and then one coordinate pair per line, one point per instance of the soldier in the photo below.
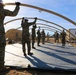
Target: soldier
x,y
56,36
48,37
38,36
33,36
25,35
63,38
43,36
3,13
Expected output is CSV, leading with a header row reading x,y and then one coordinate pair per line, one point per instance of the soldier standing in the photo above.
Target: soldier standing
x,y
63,38
43,36
25,35
56,36
33,36
3,13
48,37
38,36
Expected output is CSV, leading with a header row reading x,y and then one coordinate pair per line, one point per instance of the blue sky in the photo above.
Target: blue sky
x,y
63,7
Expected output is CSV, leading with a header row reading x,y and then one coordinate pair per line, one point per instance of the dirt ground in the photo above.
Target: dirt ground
x,y
15,71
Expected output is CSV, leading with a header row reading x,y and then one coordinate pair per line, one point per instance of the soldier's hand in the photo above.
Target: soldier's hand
x,y
18,3
35,17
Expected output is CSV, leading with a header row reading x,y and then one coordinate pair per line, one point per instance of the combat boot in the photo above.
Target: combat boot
x,y
30,53
33,47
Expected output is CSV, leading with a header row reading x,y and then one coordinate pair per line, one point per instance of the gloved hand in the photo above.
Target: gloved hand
x,y
35,17
18,3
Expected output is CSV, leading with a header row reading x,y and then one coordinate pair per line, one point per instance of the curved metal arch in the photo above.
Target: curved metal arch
x,y
38,19
12,20
47,30
46,10
36,23
49,26
52,30
57,25
43,21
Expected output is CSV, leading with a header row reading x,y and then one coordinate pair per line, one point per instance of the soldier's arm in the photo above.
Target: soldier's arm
x,y
12,13
65,34
22,22
31,23
35,26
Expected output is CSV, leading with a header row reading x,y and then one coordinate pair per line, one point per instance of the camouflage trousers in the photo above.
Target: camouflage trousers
x,y
2,54
33,41
26,40
43,40
2,49
38,40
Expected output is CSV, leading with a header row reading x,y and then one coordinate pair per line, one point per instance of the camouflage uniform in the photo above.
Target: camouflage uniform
x,y
33,35
48,37
43,36
63,39
25,35
3,13
56,36
38,37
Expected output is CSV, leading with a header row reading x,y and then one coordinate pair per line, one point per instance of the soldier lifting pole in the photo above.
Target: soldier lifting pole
x,y
43,21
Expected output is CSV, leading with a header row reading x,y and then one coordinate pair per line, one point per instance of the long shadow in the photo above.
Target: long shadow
x,y
53,45
62,66
40,64
60,46
14,54
58,57
59,50
37,62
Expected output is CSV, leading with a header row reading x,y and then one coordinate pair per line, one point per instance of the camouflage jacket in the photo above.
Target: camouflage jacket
x,y
3,13
25,27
